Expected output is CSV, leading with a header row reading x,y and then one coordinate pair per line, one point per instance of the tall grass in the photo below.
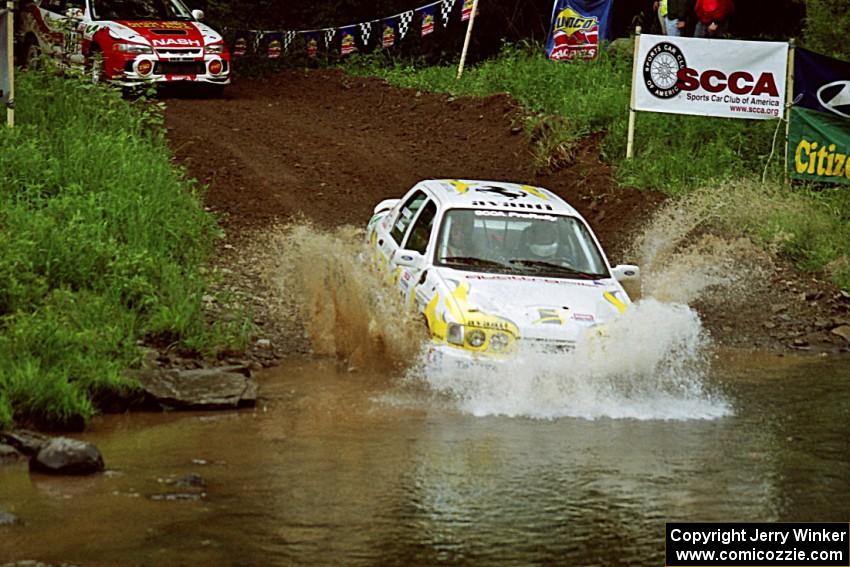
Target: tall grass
x,y
101,243
674,154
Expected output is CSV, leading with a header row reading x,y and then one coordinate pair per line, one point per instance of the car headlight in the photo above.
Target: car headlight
x,y
132,48
215,48
499,342
476,338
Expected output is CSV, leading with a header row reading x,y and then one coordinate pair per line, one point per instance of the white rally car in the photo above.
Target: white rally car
x,y
128,42
495,267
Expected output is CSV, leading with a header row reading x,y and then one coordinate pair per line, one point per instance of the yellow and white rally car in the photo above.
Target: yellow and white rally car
x,y
495,267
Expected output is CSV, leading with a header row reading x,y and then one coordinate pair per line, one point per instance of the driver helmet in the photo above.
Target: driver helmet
x,y
461,229
542,239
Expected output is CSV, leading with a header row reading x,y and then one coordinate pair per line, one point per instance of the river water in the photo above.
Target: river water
x,y
364,468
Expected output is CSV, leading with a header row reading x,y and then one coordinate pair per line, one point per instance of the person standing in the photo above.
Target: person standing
x,y
677,15
713,17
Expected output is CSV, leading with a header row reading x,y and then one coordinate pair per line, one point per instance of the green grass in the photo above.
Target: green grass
x,y
673,154
101,243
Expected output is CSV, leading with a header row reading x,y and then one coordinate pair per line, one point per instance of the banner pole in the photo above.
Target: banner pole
x,y
630,145
10,61
789,101
467,39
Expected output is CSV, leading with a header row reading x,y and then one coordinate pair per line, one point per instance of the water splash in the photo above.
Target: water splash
x,y
651,364
326,281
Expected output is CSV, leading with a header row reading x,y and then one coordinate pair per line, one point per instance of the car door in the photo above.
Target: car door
x,y
389,237
416,240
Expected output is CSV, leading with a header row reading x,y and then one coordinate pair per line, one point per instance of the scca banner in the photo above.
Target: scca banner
x,y
711,77
577,27
819,138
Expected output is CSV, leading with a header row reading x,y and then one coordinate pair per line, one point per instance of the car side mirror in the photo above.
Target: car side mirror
x,y
409,259
198,14
625,273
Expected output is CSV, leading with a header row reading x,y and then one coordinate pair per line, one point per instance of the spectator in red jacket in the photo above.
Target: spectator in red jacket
x,y
713,17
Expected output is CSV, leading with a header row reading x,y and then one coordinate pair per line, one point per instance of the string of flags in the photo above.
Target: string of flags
x,y
386,32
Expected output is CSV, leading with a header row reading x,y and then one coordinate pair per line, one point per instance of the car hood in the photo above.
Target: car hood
x,y
164,33
539,307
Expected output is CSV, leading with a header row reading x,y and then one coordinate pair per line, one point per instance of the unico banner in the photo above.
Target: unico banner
x,y
819,138
711,77
576,29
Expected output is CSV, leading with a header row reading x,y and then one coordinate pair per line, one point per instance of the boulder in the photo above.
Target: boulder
x,y
843,331
224,387
61,455
8,454
25,441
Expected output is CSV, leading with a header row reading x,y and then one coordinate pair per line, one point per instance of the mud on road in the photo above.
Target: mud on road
x,y
328,146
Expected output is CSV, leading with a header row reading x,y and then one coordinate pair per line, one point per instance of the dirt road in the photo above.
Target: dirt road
x,y
329,146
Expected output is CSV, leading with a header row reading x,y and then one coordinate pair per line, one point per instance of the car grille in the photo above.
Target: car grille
x,y
179,52
179,68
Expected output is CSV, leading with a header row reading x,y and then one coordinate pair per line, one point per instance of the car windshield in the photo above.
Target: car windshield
x,y
139,10
533,244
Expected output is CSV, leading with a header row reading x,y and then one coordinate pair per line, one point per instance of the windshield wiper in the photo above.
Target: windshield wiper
x,y
551,266
472,261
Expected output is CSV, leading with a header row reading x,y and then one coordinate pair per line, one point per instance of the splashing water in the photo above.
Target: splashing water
x,y
326,281
650,364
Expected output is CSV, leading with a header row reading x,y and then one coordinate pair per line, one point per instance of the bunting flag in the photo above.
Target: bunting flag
x,y
427,18
274,44
348,43
467,10
288,36
365,32
404,20
388,32
312,39
240,44
329,36
446,7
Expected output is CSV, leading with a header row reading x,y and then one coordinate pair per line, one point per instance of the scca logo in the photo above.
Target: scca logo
x,y
569,21
739,82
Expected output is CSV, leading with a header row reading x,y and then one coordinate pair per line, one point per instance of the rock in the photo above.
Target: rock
x,y
264,344
823,324
225,387
778,307
190,480
800,343
61,455
843,331
25,441
9,454
7,519
769,325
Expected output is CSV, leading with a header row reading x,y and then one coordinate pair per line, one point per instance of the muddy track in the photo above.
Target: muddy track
x,y
328,146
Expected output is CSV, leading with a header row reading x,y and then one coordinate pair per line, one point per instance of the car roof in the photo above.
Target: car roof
x,y
499,195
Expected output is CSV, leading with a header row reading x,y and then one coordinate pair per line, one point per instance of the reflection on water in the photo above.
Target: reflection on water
x,y
328,472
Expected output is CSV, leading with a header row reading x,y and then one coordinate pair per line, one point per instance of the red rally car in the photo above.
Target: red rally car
x,y
128,42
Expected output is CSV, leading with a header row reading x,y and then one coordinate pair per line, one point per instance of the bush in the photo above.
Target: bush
x,y
828,27
101,246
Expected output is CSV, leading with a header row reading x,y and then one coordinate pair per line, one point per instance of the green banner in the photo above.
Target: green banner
x,y
819,146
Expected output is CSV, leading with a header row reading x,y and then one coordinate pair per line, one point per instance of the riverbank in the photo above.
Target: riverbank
x,y
104,250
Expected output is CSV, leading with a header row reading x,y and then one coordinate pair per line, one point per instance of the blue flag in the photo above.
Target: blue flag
x,y
427,15
821,83
576,29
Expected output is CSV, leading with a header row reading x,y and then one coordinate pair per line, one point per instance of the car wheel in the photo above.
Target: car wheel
x,y
31,53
